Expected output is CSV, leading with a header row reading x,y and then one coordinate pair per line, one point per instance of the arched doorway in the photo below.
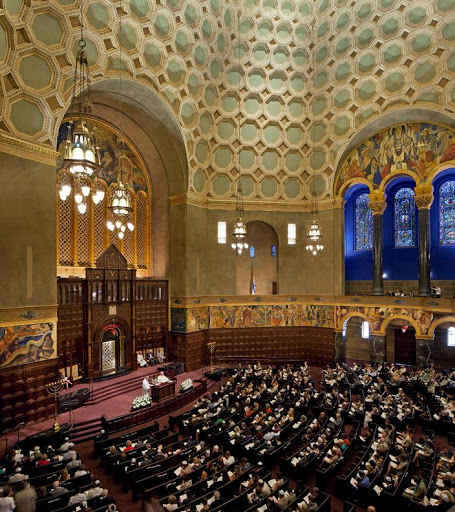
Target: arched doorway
x,y
401,342
112,350
257,268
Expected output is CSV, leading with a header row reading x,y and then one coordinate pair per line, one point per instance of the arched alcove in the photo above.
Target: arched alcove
x,y
155,133
259,262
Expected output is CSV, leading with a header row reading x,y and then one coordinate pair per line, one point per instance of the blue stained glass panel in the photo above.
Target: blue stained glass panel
x,y
447,213
363,224
252,251
273,251
405,218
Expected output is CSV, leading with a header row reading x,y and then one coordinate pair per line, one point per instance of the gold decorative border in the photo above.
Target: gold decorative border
x,y
28,315
271,206
428,303
28,150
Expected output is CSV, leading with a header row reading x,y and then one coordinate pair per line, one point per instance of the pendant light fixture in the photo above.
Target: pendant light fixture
x,y
120,200
82,156
239,231
314,235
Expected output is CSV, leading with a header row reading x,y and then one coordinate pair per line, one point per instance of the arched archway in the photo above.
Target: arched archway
x,y
258,266
156,134
356,340
400,333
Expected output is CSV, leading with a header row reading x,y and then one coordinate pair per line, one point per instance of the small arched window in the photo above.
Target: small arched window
x,y
252,251
365,329
447,213
451,337
405,229
363,225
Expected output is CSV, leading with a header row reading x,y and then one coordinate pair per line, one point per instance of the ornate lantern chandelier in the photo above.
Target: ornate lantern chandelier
x,y
82,157
239,230
314,233
120,202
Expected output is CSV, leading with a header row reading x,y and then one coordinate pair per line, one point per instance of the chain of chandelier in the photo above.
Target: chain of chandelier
x,y
82,155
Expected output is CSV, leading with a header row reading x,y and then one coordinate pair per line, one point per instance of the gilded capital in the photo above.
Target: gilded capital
x,y
424,197
377,202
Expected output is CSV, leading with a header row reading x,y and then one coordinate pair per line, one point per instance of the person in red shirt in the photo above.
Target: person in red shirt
x,y
43,461
129,446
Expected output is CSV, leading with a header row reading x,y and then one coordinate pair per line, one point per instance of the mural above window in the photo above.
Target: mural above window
x,y
405,229
447,213
252,251
363,224
415,147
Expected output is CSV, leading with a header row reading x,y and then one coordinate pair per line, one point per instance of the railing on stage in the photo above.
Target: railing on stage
x,y
141,416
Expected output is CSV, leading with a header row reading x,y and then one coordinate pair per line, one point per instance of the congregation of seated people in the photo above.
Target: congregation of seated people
x,y
50,479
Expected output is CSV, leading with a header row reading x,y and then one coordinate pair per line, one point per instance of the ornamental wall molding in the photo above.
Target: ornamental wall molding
x,y
253,205
28,150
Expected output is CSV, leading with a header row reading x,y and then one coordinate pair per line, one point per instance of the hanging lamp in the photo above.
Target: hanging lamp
x,y
314,235
82,156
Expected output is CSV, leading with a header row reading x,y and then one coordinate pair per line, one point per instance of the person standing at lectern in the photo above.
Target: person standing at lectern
x,y
145,387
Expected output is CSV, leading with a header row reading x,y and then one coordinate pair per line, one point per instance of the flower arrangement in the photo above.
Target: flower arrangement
x,y
186,385
141,401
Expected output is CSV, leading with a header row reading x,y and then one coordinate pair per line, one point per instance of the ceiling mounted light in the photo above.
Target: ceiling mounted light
x,y
120,200
82,156
314,233
239,230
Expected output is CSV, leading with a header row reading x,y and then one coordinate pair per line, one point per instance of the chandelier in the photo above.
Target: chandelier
x,y
82,156
239,230
314,233
120,202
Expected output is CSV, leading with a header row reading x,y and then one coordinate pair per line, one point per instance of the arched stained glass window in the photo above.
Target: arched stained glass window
x,y
405,218
252,251
447,213
363,223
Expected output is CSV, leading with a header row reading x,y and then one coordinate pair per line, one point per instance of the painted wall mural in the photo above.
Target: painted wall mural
x,y
378,316
198,318
20,344
244,316
416,147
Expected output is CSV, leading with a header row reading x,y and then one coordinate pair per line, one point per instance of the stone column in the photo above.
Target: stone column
x,y
424,199
424,352
340,348
377,205
377,349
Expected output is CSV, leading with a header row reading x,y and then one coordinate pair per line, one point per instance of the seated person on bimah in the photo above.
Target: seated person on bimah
x,y
140,360
162,378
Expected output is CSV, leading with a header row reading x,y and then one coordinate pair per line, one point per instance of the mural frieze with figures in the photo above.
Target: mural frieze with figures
x,y
415,147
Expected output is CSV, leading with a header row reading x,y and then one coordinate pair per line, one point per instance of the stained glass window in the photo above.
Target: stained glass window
x,y
273,251
447,213
363,223
405,218
252,251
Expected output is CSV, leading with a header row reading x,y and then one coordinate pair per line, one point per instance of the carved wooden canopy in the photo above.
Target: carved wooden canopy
x,y
112,258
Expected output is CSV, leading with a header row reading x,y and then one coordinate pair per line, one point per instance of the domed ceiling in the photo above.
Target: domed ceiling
x,y
277,87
